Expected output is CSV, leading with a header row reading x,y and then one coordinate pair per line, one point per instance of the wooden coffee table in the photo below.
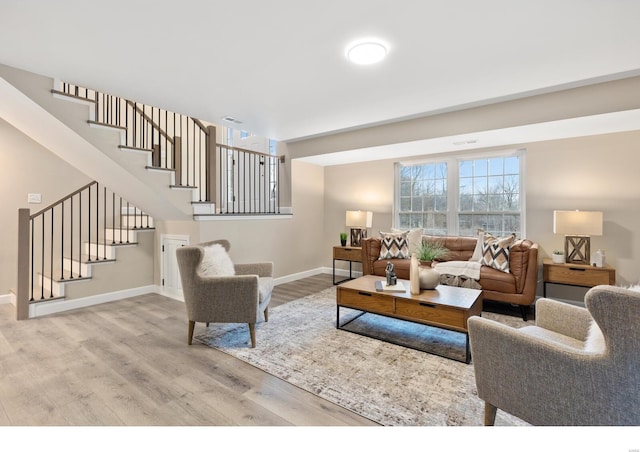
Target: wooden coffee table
x,y
444,307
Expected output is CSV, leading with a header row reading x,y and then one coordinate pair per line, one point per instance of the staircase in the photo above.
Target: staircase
x,y
76,238
222,179
166,161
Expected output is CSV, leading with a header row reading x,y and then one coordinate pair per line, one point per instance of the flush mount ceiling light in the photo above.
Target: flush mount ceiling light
x,y
366,52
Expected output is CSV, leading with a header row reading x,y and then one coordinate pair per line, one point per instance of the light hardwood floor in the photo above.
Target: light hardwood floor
x,y
128,363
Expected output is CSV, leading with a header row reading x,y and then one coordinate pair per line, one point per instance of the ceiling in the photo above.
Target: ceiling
x,y
279,66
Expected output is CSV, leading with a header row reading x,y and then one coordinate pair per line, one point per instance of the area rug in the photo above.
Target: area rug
x,y
387,383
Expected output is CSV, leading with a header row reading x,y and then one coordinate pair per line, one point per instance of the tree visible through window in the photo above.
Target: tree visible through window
x,y
459,196
423,197
489,192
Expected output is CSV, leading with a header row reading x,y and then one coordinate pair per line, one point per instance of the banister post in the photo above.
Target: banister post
x,y
210,170
22,289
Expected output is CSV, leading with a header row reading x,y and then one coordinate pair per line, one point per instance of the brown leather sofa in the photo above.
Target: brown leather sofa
x,y
518,287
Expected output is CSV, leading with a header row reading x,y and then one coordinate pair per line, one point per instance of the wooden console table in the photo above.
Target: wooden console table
x,y
576,275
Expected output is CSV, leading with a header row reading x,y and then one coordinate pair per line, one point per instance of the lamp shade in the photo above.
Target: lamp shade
x,y
359,219
577,222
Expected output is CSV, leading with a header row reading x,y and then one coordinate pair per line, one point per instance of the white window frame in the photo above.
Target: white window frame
x,y
453,182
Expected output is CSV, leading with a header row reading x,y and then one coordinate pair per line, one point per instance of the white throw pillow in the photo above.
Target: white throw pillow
x,y
595,339
216,262
477,252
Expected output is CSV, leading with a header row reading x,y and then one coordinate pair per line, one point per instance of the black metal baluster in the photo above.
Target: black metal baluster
x,y
97,222
51,260
62,243
79,235
127,216
113,218
32,257
71,237
120,218
188,150
89,226
104,222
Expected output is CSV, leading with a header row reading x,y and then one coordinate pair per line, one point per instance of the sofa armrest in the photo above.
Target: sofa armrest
x,y
370,254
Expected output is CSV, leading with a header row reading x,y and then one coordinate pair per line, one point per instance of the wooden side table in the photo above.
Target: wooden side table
x,y
576,275
346,253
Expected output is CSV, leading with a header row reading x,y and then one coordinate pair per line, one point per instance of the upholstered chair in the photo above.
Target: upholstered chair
x,y
575,366
218,291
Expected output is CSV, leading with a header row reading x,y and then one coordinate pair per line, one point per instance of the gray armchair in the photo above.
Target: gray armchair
x,y
239,298
559,372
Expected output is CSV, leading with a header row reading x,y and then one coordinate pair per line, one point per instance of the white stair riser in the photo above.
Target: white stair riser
x,y
75,267
120,235
204,208
108,251
56,289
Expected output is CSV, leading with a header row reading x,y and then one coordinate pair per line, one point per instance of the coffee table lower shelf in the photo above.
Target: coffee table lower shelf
x,y
389,339
445,308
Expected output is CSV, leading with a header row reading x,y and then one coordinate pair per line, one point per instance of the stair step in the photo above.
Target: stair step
x,y
158,168
104,124
67,277
56,92
203,207
134,148
189,187
39,298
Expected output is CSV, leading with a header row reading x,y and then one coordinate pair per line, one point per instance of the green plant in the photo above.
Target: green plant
x,y
343,236
430,251
558,252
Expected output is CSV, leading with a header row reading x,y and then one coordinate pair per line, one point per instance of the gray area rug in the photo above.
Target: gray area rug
x,y
387,383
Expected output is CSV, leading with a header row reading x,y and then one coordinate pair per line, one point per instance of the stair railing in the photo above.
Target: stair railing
x,y
177,142
56,241
238,181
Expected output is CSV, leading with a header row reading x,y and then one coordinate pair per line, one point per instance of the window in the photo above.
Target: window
x,y
458,196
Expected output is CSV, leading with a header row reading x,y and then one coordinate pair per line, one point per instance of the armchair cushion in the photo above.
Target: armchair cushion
x,y
216,262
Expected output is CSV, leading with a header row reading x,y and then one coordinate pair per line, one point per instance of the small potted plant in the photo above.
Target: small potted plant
x,y
429,251
558,257
343,238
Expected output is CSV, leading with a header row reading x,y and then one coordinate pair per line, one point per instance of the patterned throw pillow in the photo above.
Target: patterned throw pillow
x,y
495,251
394,246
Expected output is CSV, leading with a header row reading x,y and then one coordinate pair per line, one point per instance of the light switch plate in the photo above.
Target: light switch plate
x,y
34,198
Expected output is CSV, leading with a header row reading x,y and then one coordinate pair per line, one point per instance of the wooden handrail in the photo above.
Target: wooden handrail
x,y
60,201
233,148
135,106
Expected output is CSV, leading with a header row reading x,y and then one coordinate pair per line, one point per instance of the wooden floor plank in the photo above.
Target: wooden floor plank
x,y
127,362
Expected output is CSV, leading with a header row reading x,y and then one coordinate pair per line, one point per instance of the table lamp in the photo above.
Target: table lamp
x,y
578,226
358,221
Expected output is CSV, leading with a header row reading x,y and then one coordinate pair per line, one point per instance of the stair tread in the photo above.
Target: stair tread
x,y
73,96
38,296
134,148
183,186
106,125
158,168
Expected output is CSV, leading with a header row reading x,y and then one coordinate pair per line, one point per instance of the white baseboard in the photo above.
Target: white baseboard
x,y
53,307
8,298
